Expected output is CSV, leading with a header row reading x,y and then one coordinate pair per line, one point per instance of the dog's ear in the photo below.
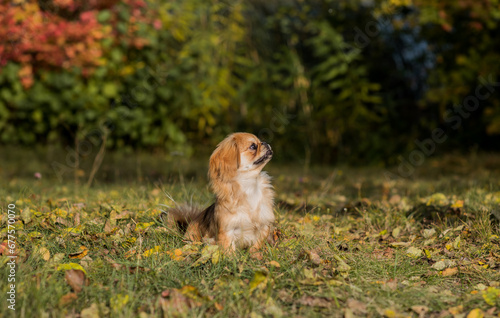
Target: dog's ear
x,y
225,160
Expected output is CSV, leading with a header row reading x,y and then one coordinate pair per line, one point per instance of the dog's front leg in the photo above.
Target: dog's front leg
x,y
226,242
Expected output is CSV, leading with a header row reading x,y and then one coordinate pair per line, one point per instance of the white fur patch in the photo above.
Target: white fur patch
x,y
246,226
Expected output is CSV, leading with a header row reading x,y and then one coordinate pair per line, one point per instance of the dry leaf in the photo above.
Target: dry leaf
x,y
259,279
274,263
90,312
356,306
420,310
456,310
450,271
313,257
76,279
80,254
178,302
68,298
315,301
475,313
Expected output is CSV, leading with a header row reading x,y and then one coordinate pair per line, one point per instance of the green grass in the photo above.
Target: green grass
x,y
344,236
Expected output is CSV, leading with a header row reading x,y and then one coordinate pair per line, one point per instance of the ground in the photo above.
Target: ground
x,y
350,242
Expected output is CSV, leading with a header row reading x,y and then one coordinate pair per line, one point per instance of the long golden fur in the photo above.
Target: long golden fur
x,y
242,215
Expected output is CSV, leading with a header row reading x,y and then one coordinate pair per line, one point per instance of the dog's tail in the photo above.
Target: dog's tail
x,y
181,215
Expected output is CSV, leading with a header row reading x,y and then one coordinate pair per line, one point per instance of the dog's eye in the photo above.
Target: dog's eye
x,y
253,146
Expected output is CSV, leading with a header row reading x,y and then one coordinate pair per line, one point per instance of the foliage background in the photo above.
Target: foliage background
x,y
323,81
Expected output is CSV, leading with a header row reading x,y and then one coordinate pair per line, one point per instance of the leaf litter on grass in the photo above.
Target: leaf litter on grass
x,y
380,255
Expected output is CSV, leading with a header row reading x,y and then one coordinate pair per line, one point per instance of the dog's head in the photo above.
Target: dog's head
x,y
240,154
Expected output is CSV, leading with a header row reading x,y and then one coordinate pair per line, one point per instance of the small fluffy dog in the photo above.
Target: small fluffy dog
x,y
242,215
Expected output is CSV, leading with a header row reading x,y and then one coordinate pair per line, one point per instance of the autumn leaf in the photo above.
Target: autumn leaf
x,y
491,296
80,254
475,313
442,264
274,264
154,250
67,299
258,280
313,257
177,302
140,227
69,266
118,301
76,279
450,271
414,252
420,310
209,252
356,306
43,253
90,312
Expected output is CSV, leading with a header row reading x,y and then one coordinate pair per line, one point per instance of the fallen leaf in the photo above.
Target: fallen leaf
x,y
450,271
274,263
442,264
456,310
259,279
43,253
491,295
154,250
396,232
118,301
80,254
356,306
26,215
313,257
315,301
341,265
178,302
428,233
475,313
143,226
414,252
76,279
420,310
437,199
90,312
209,252
67,299
65,267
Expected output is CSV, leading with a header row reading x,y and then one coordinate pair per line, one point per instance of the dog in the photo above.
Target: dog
x,y
242,215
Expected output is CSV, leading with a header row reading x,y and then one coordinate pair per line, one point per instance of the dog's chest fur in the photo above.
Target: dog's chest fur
x,y
254,216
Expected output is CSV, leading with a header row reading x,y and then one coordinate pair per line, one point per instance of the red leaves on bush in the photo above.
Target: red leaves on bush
x,y
65,35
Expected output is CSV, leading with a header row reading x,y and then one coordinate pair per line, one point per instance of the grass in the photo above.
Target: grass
x,y
351,243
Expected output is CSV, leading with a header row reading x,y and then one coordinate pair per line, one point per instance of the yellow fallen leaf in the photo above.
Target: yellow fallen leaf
x,y
491,295
143,226
118,302
456,310
458,204
450,271
154,250
90,312
259,278
437,199
476,313
68,266
61,213
274,263
129,242
43,253
414,252
80,254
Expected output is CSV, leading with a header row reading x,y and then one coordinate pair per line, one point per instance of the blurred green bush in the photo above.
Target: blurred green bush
x,y
322,80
